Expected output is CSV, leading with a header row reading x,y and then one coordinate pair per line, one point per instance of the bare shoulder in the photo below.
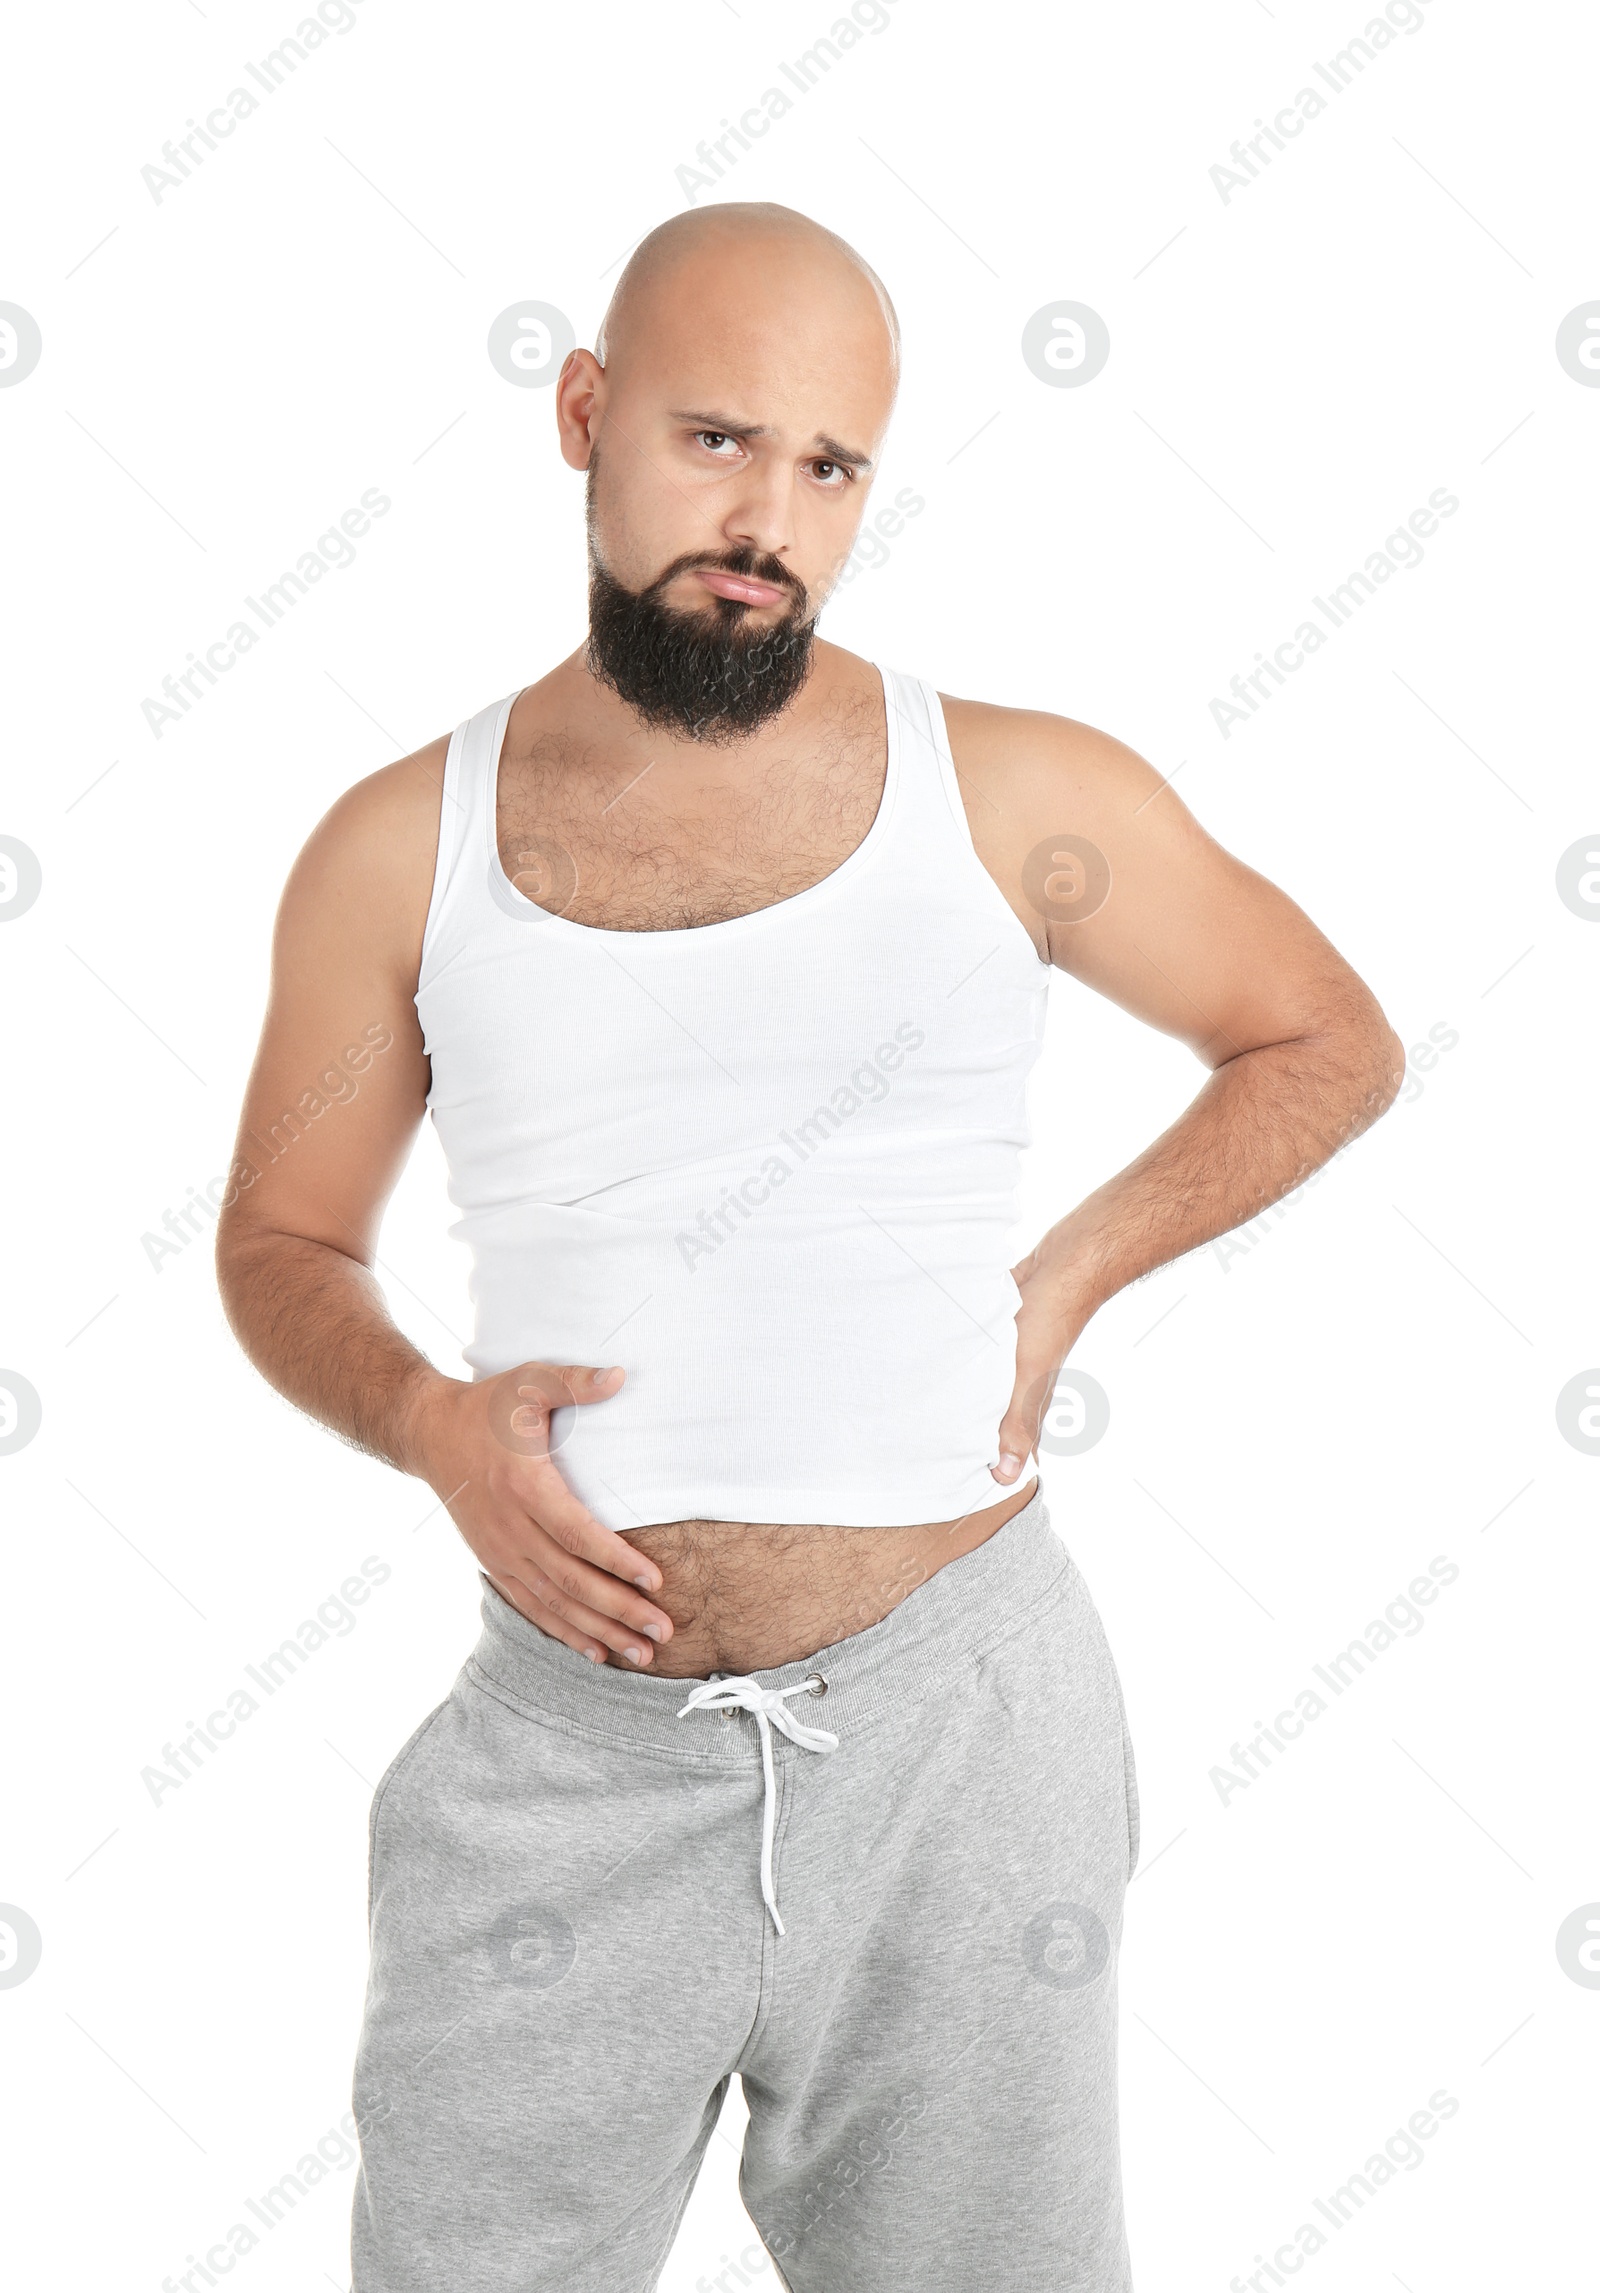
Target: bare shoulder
x,y
1119,884
1046,793
364,876
1015,751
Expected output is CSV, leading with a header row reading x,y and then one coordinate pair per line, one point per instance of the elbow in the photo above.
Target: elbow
x,y
1361,1059
236,1258
1381,1066
228,1269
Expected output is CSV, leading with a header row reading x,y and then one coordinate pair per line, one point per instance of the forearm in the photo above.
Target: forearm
x,y
1262,1123
316,1325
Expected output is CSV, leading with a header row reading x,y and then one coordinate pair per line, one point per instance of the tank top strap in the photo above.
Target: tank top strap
x,y
466,819
482,737
929,794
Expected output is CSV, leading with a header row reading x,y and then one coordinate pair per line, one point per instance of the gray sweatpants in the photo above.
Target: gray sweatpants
x,y
576,1943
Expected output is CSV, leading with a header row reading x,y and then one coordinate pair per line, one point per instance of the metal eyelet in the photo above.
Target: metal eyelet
x,y
817,1684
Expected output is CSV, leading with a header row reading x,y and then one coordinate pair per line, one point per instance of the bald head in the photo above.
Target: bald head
x,y
711,253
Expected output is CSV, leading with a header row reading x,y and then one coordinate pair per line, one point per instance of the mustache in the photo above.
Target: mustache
x,y
749,564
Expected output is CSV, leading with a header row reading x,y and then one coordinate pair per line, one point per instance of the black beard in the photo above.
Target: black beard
x,y
710,675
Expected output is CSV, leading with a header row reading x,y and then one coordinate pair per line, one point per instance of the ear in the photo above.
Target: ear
x,y
580,406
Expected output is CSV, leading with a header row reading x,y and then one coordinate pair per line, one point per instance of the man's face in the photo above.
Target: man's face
x,y
731,442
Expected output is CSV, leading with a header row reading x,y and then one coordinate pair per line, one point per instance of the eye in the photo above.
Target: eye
x,y
842,476
716,438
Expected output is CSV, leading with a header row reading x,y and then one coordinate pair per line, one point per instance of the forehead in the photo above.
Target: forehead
x,y
789,338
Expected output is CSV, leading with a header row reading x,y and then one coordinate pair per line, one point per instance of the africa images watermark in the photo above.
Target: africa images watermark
x,y
1251,155
869,2152
717,154
335,550
183,154
1402,549
1401,2153
868,1082
335,1619
336,2151
871,548
1402,1618
335,1084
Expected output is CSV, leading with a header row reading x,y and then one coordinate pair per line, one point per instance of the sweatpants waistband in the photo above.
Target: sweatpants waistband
x,y
944,1626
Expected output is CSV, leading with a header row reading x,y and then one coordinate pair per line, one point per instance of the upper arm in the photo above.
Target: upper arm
x,y
340,1079
1173,927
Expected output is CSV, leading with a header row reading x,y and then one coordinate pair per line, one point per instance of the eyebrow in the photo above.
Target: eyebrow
x,y
731,427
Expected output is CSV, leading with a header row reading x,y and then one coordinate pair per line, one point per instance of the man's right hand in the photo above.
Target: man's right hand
x,y
484,1448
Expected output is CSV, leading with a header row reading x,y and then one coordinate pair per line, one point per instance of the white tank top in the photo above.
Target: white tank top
x,y
769,1165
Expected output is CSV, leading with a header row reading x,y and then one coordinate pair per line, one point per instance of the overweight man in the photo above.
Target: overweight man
x,y
792,1747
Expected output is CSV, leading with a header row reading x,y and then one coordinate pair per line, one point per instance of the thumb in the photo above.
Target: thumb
x,y
581,1382
523,1399
1019,1428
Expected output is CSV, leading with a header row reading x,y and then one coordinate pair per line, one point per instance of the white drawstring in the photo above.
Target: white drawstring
x,y
747,1693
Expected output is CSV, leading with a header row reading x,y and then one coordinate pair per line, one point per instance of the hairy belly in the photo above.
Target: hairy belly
x,y
744,1596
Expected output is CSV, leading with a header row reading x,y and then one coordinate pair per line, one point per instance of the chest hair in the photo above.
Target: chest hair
x,y
611,847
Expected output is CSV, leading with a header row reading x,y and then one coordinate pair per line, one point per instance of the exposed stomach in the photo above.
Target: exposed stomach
x,y
745,1596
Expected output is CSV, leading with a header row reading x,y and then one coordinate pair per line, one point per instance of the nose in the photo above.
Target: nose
x,y
761,516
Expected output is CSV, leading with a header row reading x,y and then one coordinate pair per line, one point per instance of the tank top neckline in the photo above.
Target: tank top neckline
x,y
518,904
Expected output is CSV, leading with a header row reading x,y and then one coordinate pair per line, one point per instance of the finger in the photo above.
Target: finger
x,y
569,1522
550,1549
523,1601
579,1626
565,1627
531,1393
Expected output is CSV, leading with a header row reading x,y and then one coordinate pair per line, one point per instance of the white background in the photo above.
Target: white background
x,y
1297,1428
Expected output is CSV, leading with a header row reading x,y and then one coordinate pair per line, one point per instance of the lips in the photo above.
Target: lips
x,y
740,587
